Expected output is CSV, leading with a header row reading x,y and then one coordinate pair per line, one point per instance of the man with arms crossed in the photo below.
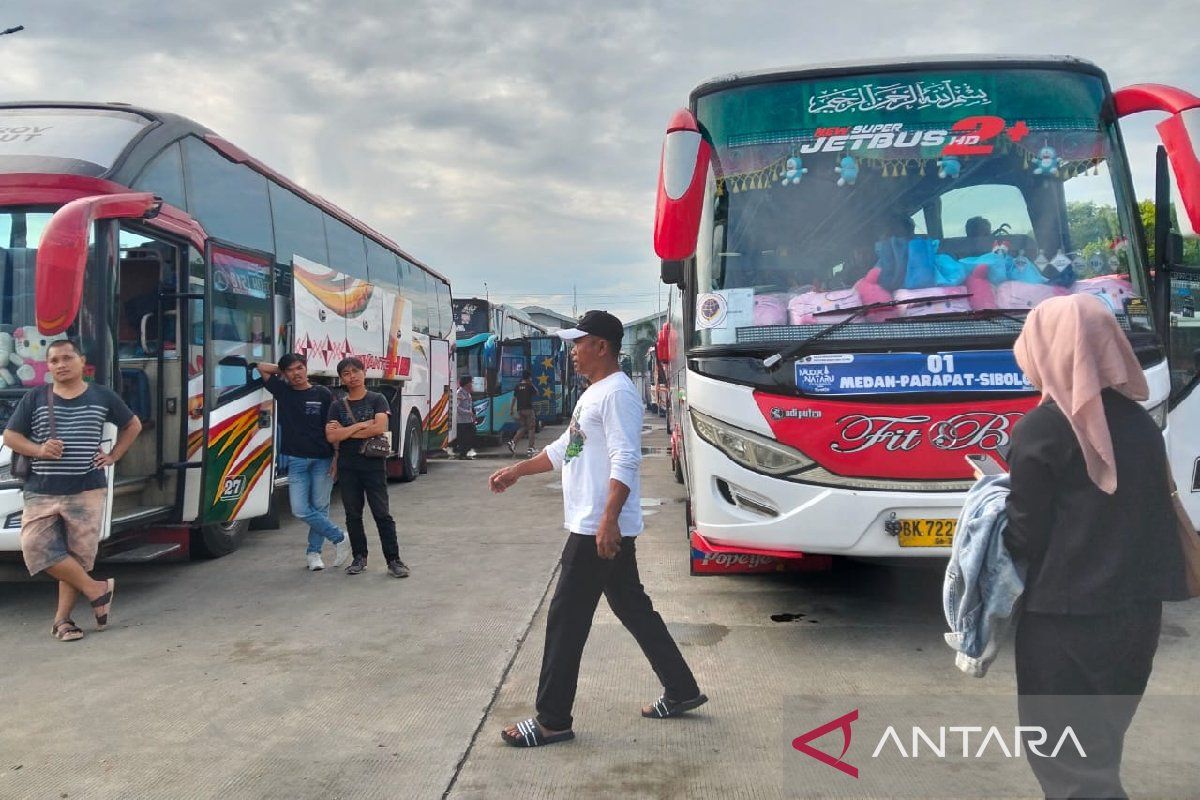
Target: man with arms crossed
x,y
600,456
65,494
303,409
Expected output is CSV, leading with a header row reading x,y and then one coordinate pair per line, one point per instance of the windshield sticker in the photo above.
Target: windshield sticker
x,y
894,96
907,373
711,310
724,311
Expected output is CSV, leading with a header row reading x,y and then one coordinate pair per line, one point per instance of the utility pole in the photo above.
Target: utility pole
x,y
574,303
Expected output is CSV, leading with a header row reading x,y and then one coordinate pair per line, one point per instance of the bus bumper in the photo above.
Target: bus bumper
x,y
10,520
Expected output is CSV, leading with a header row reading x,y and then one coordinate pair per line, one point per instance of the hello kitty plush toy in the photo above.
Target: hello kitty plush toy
x,y
31,346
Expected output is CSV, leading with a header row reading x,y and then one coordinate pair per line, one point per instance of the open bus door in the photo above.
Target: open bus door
x,y
1176,285
239,420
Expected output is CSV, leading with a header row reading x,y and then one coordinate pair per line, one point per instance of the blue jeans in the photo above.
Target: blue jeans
x,y
309,487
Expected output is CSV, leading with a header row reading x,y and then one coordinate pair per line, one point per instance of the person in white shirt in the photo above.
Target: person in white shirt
x,y
600,456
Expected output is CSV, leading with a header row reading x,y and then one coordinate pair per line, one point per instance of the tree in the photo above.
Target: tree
x,y
1191,244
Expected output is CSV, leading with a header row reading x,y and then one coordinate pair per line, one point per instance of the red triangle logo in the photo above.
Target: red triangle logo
x,y
843,722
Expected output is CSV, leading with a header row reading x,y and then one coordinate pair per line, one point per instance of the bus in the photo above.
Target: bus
x,y
497,344
178,261
852,251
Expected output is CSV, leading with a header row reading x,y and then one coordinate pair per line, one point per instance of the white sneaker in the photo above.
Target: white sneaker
x,y
471,453
314,562
341,551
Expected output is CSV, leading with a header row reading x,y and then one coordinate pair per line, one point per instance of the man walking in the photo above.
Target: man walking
x,y
464,410
522,408
600,457
355,417
303,410
60,426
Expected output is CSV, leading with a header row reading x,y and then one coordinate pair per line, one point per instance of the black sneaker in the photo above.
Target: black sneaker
x,y
529,453
397,568
358,565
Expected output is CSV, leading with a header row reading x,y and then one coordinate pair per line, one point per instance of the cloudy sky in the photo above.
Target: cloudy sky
x,y
517,143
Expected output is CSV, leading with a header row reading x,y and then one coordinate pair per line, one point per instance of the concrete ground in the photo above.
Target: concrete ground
x,y
248,677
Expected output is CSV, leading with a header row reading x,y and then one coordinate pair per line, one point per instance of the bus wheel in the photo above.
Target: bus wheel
x,y
410,460
218,539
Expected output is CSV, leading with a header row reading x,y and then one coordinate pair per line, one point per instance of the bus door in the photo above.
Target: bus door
x,y
543,370
441,397
239,423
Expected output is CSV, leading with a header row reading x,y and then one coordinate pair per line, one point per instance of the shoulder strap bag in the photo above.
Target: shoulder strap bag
x,y
375,447
21,466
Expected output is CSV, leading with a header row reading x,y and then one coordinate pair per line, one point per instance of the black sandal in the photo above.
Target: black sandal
x,y
529,734
105,599
663,708
65,630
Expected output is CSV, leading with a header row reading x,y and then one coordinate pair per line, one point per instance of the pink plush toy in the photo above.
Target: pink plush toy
x,y
803,307
31,346
942,300
983,294
1114,290
871,292
1019,294
771,309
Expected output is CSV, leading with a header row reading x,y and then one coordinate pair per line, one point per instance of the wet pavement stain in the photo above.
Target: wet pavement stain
x,y
787,617
1175,631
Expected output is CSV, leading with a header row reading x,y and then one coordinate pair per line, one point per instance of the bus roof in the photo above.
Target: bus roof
x,y
168,127
876,66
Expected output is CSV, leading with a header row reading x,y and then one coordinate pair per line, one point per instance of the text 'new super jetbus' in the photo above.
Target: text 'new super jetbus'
x,y
178,261
853,250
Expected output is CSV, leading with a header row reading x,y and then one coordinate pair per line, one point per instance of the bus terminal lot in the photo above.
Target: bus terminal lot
x,y
248,677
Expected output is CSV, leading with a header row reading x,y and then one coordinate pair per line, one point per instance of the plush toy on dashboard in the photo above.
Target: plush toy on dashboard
x,y
794,170
8,356
848,170
31,346
949,167
1047,162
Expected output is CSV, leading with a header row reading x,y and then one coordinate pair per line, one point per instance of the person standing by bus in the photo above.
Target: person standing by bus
x,y
464,409
522,409
303,411
600,457
60,426
1091,519
355,416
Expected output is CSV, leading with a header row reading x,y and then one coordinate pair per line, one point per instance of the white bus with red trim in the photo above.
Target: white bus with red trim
x,y
853,250
178,261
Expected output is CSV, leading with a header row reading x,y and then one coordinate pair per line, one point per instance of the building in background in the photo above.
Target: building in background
x,y
550,320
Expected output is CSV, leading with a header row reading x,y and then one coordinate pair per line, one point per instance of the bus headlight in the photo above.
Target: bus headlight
x,y
748,449
1159,412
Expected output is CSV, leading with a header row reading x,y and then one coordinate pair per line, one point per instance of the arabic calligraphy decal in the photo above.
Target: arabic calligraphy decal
x,y
893,96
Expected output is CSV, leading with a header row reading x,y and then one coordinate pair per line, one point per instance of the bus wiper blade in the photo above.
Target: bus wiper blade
x,y
854,313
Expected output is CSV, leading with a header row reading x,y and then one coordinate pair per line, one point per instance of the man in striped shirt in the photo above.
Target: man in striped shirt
x,y
60,426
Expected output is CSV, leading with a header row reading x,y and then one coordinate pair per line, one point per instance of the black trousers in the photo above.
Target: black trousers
x,y
360,478
464,438
584,577
1089,672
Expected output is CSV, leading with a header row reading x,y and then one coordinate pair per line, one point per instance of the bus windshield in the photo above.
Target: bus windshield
x,y
983,191
20,234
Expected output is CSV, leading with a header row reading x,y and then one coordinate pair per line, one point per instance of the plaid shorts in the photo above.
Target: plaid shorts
x,y
54,526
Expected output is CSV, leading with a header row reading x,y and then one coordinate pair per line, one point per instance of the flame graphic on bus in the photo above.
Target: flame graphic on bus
x,y
343,296
229,442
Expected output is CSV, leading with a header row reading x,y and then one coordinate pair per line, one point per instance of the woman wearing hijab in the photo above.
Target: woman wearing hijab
x,y
1091,519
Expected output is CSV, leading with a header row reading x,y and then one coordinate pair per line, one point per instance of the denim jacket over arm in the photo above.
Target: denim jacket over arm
x,y
983,585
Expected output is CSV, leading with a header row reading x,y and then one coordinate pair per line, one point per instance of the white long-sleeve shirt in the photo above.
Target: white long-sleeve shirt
x,y
603,442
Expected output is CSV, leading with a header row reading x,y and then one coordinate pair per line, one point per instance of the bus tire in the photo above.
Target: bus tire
x,y
412,452
218,539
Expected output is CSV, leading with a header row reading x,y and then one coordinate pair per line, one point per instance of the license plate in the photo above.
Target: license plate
x,y
926,532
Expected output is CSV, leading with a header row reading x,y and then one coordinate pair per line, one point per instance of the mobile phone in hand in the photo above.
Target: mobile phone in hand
x,y
984,464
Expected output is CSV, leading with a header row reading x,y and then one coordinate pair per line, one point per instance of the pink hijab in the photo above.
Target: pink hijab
x,y
1071,348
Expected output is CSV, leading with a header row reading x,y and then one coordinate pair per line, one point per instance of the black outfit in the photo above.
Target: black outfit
x,y
1098,568
302,416
524,394
79,423
361,478
464,437
584,577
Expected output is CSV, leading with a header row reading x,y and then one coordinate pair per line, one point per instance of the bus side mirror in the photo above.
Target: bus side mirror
x,y
1180,135
682,174
672,272
63,253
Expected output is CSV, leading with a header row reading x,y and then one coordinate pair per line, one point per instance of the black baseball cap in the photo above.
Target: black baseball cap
x,y
595,323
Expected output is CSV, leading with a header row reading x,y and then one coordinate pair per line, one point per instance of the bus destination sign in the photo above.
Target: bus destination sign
x,y
910,373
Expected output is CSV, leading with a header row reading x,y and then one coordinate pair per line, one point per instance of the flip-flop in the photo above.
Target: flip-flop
x,y
529,734
663,708
65,630
105,599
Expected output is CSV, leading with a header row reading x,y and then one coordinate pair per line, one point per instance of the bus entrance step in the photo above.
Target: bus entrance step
x,y
137,555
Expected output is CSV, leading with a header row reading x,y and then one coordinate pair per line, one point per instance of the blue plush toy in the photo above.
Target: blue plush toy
x,y
949,167
794,170
848,169
1047,162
